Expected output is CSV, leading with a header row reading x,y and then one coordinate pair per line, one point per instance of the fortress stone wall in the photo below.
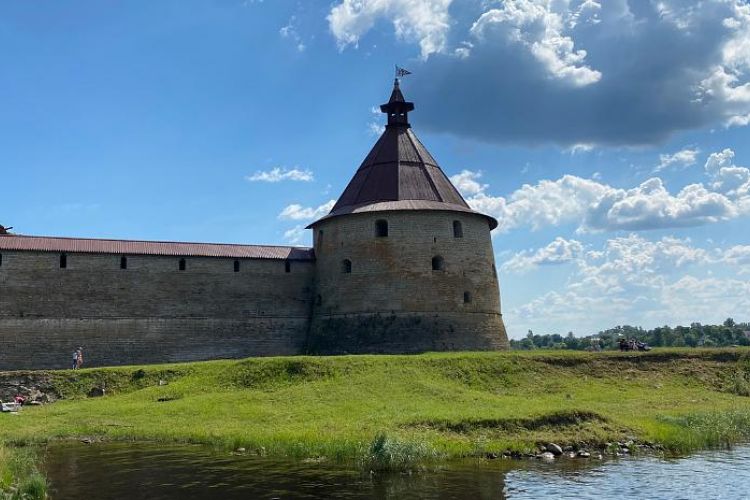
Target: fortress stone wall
x,y
401,264
150,312
391,299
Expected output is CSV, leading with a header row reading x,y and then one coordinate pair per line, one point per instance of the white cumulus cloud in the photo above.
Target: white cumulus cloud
x,y
595,206
425,21
295,211
652,206
278,174
559,251
738,254
705,300
295,235
634,280
729,178
564,71
680,159
540,26
727,82
467,182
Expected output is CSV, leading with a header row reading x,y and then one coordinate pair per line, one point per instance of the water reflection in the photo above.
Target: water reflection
x,y
128,471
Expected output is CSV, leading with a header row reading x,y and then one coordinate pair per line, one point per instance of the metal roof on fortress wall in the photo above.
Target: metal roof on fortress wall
x,y
164,248
399,173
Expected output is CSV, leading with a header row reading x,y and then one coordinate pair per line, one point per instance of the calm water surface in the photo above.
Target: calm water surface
x,y
139,471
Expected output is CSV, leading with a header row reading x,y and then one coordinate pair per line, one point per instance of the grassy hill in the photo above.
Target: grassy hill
x,y
417,407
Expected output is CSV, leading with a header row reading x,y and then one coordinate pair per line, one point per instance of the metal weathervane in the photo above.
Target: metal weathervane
x,y
401,72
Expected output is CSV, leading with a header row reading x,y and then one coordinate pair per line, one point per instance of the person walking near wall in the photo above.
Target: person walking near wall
x,y
79,358
75,359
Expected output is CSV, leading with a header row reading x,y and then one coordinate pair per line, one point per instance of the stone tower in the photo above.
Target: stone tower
x,y
403,263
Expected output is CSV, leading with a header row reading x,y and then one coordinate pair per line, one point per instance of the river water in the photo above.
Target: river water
x,y
145,471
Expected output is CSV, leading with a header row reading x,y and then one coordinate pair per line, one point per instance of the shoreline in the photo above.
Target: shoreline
x,y
397,412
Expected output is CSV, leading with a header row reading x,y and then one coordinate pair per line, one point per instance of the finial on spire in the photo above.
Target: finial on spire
x,y
397,108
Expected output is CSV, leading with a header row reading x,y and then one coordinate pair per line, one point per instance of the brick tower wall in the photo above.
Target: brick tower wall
x,y
393,301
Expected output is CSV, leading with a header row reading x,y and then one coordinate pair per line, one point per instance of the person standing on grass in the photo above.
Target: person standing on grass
x,y
75,359
79,358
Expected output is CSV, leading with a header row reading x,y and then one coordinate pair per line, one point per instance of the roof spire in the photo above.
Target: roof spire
x,y
397,108
399,173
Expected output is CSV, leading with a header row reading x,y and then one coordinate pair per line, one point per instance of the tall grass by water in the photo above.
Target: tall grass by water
x,y
713,429
20,478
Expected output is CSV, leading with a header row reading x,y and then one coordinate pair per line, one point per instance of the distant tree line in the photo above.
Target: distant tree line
x,y
727,334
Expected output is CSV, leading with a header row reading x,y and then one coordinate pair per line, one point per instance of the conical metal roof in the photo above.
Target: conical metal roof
x,y
399,173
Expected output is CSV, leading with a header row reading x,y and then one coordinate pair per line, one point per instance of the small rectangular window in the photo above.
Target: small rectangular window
x,y
63,261
438,264
381,228
236,266
182,264
1,260
458,230
123,262
287,267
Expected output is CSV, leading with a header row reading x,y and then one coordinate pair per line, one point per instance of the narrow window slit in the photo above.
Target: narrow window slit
x,y
458,230
438,263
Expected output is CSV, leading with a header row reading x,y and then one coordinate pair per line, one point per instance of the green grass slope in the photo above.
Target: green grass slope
x,y
420,407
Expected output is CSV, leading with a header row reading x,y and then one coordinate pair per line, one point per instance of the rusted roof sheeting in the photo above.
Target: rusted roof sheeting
x,y
166,248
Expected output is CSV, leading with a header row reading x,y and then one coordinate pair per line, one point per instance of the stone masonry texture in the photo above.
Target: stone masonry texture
x,y
391,301
150,312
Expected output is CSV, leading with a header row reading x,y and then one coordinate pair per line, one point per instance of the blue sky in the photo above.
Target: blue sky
x,y
610,139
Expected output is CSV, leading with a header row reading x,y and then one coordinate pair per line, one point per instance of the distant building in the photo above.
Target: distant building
x,y
401,264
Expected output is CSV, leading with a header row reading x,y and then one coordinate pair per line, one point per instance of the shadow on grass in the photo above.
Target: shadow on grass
x,y
548,421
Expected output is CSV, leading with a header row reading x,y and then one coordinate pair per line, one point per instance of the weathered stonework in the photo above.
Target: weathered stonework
x,y
430,284
392,300
150,312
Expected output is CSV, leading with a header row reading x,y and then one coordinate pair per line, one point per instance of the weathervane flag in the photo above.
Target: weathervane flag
x,y
401,72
